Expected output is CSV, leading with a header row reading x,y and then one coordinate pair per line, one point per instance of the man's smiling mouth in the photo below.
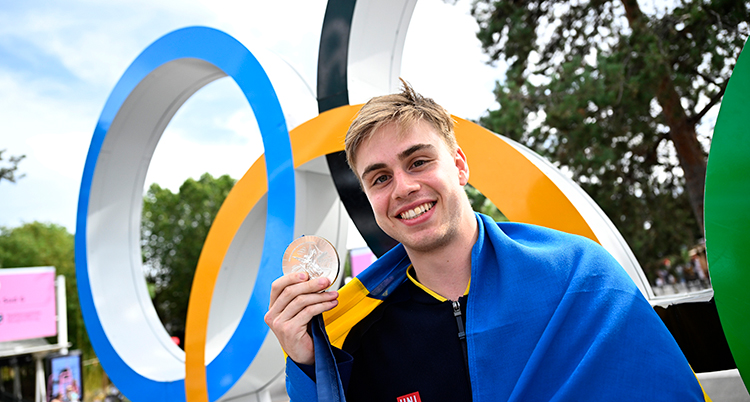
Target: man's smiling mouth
x,y
413,213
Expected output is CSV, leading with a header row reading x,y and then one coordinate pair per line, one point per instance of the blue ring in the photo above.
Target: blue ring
x,y
236,61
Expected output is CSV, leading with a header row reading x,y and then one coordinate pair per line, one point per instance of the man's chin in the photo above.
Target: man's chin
x,y
423,244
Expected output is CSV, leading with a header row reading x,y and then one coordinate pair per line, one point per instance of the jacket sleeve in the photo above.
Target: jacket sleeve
x,y
299,385
300,378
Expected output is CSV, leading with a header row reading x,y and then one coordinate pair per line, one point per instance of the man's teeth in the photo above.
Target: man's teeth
x,y
413,213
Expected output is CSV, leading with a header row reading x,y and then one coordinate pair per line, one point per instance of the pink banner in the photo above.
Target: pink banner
x,y
27,303
361,258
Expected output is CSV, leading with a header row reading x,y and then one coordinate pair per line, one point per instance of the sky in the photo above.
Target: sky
x,y
60,60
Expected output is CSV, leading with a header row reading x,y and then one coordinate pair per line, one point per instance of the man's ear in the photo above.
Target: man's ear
x,y
462,165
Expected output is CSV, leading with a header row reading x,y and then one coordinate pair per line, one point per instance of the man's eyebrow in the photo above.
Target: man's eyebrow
x,y
374,166
412,149
403,155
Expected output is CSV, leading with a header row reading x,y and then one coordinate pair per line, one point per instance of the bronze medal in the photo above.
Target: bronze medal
x,y
314,255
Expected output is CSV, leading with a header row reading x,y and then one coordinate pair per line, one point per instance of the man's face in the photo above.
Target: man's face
x,y
415,184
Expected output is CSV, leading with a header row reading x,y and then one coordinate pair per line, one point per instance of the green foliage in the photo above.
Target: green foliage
x,y
347,266
40,244
173,230
482,204
613,96
9,172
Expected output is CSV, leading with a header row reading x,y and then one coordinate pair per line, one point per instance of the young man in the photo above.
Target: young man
x,y
464,308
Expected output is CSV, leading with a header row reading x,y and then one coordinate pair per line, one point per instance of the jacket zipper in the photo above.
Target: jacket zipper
x,y
461,334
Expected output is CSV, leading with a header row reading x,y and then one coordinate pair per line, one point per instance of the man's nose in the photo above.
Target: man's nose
x,y
405,184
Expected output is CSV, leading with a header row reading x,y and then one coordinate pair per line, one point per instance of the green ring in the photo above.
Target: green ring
x,y
727,214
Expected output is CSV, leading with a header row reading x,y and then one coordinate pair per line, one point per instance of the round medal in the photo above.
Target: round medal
x,y
314,255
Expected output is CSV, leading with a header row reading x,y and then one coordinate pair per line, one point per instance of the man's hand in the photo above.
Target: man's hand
x,y
294,302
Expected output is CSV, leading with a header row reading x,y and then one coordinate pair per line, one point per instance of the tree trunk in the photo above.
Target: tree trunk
x,y
681,128
689,151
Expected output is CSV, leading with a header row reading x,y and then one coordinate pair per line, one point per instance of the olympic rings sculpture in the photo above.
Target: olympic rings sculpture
x,y
727,215
194,57
300,185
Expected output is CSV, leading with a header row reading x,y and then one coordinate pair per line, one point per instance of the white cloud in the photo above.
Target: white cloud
x,y
82,47
226,140
443,59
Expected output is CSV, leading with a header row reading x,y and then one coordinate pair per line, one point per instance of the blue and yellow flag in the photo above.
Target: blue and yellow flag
x,y
550,317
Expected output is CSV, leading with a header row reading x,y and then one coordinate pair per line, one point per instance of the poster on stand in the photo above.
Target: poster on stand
x,y
64,377
27,303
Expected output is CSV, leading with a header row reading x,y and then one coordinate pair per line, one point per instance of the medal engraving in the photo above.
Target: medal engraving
x,y
314,255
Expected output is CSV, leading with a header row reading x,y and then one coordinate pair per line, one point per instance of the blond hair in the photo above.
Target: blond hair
x,y
406,109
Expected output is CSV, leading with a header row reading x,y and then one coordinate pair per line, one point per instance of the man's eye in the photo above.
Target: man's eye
x,y
419,163
380,179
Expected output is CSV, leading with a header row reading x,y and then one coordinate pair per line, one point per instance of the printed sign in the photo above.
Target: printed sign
x,y
27,303
413,397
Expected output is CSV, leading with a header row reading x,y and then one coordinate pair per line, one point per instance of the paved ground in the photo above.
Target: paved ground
x,y
724,386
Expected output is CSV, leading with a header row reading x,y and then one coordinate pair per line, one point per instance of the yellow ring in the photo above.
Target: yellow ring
x,y
319,136
512,182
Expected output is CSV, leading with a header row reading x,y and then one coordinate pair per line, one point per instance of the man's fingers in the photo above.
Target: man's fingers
x,y
296,300
292,289
298,323
285,281
302,304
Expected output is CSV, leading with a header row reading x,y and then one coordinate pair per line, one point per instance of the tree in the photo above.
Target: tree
x,y
41,244
9,172
482,204
173,230
614,96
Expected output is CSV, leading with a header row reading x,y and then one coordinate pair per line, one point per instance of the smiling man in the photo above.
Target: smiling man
x,y
465,308
418,199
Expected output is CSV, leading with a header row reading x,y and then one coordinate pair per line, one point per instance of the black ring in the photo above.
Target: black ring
x,y
333,92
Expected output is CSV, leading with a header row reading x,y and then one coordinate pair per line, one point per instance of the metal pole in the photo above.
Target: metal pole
x,y
264,395
16,379
41,389
62,315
